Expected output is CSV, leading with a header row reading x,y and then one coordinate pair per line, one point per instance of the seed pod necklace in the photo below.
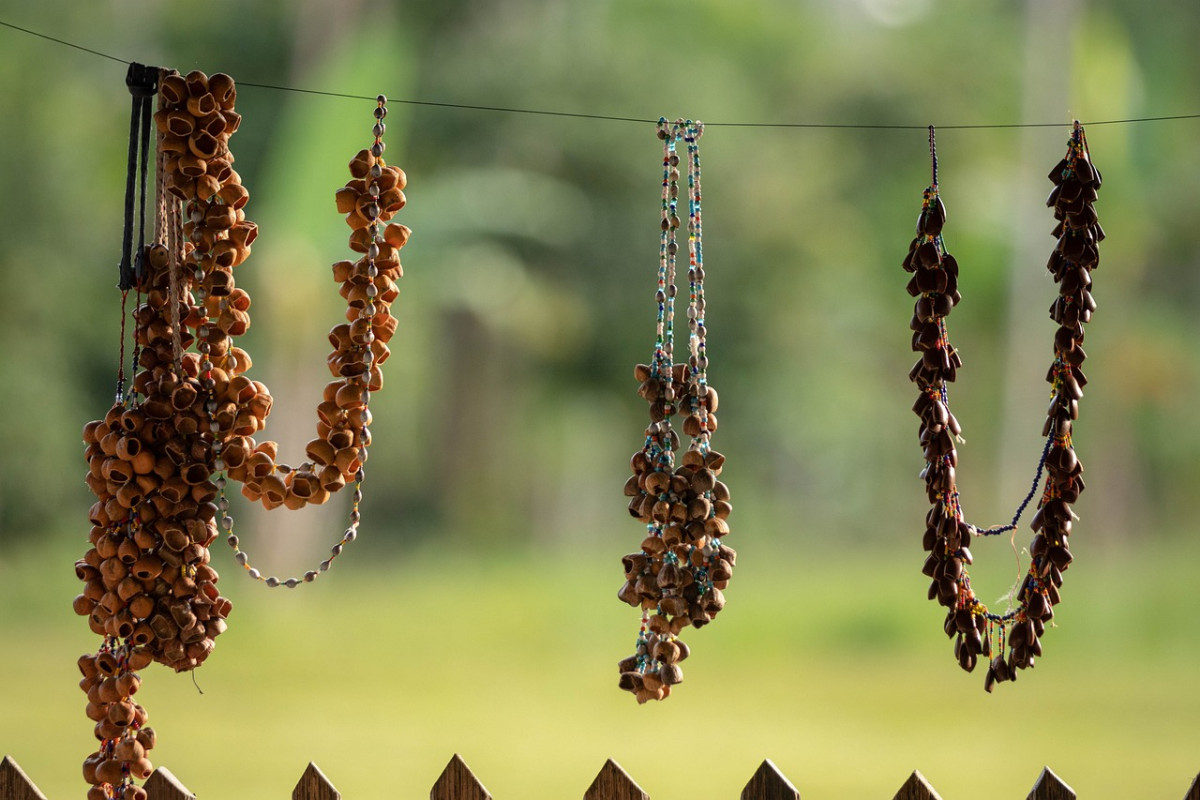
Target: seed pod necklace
x,y
678,576
976,630
373,195
156,459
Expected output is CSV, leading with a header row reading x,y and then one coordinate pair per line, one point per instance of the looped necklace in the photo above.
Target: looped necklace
x,y
678,576
160,460
976,630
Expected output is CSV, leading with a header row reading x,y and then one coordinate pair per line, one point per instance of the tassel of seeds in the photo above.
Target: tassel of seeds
x,y
1078,232
110,681
678,576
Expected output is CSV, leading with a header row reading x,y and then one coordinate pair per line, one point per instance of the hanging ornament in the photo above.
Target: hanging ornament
x,y
1011,639
160,460
678,576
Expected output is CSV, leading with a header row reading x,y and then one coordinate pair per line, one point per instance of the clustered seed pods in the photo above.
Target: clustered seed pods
x,y
934,283
110,680
977,631
149,589
1078,232
147,577
678,576
156,459
372,197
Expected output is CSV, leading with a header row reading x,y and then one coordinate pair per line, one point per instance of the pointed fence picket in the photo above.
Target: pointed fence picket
x,y
614,783
314,785
917,788
1050,787
457,782
162,785
15,784
768,783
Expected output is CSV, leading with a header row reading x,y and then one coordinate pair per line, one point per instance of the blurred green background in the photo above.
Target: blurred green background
x,y
478,613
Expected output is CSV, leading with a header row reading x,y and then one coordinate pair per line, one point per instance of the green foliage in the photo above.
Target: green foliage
x,y
528,294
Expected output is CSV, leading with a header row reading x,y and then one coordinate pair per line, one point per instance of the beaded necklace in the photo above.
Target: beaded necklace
x,y
160,460
678,576
976,630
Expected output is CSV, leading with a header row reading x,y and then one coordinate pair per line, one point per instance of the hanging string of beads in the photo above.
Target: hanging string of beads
x,y
160,459
374,194
678,576
1010,640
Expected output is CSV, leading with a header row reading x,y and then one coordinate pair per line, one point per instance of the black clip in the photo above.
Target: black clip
x,y
142,82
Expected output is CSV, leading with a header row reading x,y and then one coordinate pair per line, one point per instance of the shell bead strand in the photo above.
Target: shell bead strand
x,y
678,576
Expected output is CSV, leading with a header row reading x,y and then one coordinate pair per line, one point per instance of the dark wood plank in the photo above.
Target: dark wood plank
x,y
769,783
1050,787
1194,792
457,782
162,785
614,783
917,788
15,784
314,785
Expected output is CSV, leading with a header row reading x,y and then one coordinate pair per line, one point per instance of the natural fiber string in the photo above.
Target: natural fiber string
x,y
120,393
169,233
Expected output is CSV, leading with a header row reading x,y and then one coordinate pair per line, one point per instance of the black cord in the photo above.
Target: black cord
x,y
1037,479
125,268
139,268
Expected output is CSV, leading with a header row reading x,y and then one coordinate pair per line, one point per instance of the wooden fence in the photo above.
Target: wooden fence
x,y
457,782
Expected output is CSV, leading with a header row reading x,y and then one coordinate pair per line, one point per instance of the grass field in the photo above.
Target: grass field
x,y
830,663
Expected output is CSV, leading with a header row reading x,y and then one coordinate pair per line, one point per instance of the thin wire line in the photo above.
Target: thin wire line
x,y
450,105
63,42
614,118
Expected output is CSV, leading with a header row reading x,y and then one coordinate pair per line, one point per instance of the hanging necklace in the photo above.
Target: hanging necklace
x,y
678,576
160,459
976,630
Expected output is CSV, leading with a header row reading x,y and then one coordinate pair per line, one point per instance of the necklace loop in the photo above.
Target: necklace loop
x,y
977,631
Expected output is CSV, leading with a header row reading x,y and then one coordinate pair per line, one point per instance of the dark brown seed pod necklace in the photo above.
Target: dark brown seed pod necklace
x,y
678,576
1010,640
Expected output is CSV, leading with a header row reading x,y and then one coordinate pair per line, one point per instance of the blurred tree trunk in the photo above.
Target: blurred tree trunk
x,y
1050,34
295,541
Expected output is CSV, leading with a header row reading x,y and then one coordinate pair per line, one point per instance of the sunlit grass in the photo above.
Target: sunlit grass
x,y
831,665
